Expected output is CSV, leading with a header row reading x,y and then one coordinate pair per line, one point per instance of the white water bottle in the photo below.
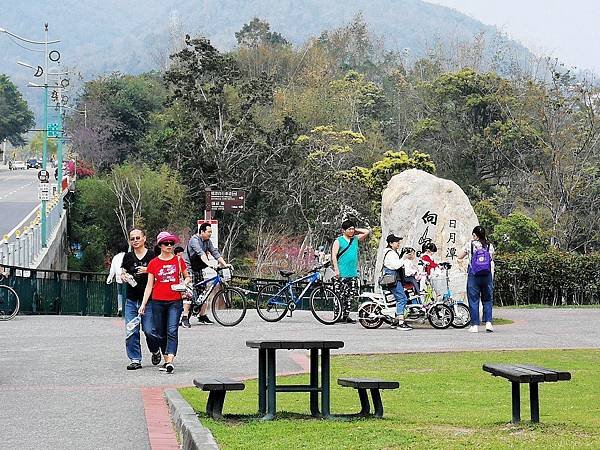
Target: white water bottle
x,y
130,279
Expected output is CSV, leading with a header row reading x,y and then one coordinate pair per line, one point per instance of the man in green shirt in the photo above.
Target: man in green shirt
x,y
344,259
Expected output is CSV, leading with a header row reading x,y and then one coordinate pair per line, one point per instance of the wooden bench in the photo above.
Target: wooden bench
x,y
217,388
526,373
374,385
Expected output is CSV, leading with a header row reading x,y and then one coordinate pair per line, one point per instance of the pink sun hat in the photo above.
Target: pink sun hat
x,y
166,236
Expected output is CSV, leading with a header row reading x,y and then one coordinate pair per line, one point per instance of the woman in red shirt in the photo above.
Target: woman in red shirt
x,y
164,273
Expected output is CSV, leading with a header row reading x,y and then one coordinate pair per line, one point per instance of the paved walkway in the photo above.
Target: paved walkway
x,y
64,385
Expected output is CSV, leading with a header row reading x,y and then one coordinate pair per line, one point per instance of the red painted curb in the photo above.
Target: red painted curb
x,y
158,420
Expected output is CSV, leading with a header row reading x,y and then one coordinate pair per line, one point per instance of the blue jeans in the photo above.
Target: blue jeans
x,y
415,284
166,319
480,288
132,343
399,294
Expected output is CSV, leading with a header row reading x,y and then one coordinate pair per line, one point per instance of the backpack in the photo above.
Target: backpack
x,y
481,260
196,262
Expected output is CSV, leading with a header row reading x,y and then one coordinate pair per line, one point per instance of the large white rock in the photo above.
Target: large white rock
x,y
421,207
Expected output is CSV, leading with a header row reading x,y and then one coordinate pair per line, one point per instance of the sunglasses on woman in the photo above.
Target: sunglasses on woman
x,y
169,243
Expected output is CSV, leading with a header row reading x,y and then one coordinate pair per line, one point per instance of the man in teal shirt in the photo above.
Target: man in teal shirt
x,y
344,259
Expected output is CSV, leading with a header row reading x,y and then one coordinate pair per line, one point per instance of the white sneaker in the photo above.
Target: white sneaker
x,y
473,329
488,327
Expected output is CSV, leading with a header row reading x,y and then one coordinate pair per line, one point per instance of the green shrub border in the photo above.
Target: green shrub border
x,y
552,278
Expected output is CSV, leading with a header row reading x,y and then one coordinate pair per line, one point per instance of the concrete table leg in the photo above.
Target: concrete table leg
x,y
314,381
271,384
262,381
534,402
516,402
325,378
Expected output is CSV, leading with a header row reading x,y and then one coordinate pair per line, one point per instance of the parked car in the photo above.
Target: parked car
x,y
33,164
16,165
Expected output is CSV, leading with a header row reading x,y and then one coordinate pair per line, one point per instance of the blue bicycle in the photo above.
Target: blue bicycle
x,y
274,301
228,306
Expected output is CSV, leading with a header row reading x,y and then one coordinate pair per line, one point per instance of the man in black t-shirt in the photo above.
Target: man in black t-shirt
x,y
135,275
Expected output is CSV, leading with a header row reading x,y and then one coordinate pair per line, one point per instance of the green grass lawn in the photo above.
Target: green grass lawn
x,y
445,401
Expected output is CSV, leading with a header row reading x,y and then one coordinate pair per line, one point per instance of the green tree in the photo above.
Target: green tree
x,y
518,233
15,116
460,109
488,215
551,146
120,109
215,121
37,144
369,182
358,100
102,213
257,32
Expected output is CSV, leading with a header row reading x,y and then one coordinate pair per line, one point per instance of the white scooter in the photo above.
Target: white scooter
x,y
378,308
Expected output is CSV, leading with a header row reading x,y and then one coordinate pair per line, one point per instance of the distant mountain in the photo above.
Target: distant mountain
x,y
100,36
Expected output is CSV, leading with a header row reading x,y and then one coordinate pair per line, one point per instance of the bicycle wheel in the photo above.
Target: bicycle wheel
x,y
440,316
325,305
366,313
9,303
229,306
272,302
462,315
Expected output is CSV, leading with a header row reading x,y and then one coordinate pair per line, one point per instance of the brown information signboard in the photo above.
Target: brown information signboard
x,y
232,200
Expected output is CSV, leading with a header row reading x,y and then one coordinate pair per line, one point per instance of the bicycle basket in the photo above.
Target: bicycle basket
x,y
439,284
226,274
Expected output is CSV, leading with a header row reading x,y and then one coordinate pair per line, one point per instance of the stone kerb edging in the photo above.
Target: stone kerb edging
x,y
192,434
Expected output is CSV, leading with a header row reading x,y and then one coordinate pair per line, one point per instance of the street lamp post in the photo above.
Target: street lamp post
x,y
45,43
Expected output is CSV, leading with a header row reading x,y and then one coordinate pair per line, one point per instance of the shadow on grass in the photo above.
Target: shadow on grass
x,y
286,415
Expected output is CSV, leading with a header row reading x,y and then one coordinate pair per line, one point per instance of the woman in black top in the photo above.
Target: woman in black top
x,y
134,274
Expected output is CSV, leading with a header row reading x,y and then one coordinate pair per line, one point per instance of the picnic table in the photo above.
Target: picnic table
x,y
528,374
267,376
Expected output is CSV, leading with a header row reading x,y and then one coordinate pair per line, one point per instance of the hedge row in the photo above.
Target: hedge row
x,y
553,278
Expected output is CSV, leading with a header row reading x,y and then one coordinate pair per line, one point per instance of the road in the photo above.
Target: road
x,y
18,196
63,382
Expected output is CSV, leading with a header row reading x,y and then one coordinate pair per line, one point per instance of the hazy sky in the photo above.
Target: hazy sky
x,y
567,29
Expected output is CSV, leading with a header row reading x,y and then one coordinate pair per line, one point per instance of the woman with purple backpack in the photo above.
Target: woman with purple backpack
x,y
480,281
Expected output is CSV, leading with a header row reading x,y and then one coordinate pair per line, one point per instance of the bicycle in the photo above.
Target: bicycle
x,y
274,301
441,287
228,305
9,300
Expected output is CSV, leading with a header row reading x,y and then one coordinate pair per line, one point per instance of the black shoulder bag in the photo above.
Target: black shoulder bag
x,y
195,260
386,281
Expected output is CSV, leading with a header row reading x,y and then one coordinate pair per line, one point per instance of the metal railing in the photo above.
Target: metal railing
x,y
23,246
87,294
62,292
